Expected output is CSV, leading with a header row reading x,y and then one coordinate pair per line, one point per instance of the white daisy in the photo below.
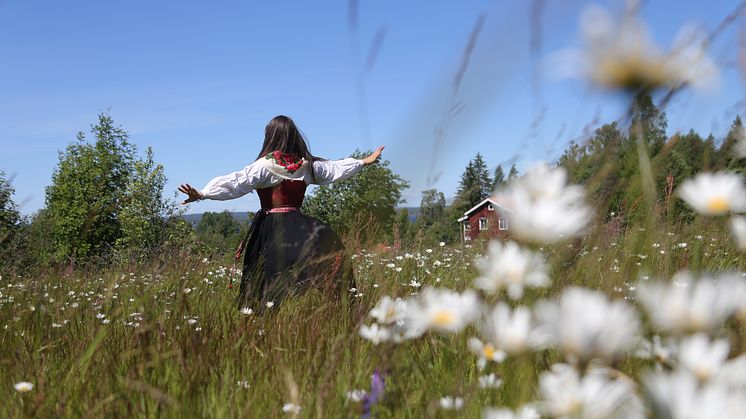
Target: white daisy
x,y
508,266
512,330
375,333
714,193
441,310
584,324
486,352
388,310
565,394
621,55
738,232
451,403
685,305
543,208
704,358
525,412
23,386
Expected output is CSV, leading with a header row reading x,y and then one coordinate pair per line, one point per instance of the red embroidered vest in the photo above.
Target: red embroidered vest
x,y
288,193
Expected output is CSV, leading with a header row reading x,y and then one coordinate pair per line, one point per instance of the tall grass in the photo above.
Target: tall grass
x,y
166,340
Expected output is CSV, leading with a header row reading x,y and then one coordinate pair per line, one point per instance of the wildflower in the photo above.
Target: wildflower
x,y
489,381
678,394
486,352
356,395
525,412
685,305
187,290
441,244
270,304
738,230
247,311
511,330
23,386
375,333
442,310
703,357
544,209
584,324
566,394
243,384
714,193
451,403
621,55
291,408
511,267
388,310
657,350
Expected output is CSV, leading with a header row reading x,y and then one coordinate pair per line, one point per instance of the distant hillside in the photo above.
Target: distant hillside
x,y
242,217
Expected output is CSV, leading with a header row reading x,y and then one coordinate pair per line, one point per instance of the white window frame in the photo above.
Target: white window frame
x,y
490,207
502,223
483,223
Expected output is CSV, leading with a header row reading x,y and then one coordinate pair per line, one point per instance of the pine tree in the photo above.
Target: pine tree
x,y
513,173
499,179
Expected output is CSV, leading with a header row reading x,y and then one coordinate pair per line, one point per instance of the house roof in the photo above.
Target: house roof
x,y
491,200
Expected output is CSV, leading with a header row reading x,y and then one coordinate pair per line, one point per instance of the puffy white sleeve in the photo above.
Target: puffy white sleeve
x,y
236,184
328,171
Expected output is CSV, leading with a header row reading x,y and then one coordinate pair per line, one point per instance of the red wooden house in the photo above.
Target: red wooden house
x,y
486,220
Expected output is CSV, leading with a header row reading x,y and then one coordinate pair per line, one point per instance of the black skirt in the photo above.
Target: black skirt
x,y
288,253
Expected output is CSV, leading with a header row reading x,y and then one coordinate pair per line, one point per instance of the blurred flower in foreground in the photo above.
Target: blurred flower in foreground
x,y
511,330
714,193
738,230
544,208
511,267
388,310
621,55
685,305
451,403
680,395
565,394
375,333
525,412
584,324
702,357
442,310
658,350
23,386
489,381
486,352
291,408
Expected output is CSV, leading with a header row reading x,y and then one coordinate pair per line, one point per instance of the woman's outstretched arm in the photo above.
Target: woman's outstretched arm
x,y
230,186
328,171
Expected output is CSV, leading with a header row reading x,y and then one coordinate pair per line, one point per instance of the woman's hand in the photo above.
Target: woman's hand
x,y
373,158
193,194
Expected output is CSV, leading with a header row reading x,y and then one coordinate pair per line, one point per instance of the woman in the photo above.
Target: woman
x,y
286,251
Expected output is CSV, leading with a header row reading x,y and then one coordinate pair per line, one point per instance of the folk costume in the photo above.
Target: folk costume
x,y
286,251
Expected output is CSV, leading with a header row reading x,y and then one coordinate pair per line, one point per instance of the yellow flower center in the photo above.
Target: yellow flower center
x,y
443,318
488,351
718,204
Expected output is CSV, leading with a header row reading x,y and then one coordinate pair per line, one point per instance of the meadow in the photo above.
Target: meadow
x,y
166,340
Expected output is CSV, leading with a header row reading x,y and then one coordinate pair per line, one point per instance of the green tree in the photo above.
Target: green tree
x,y
475,184
364,204
144,215
103,197
220,230
432,206
10,222
513,173
499,178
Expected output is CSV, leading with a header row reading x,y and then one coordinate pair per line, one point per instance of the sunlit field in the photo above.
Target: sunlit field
x,y
165,341
613,287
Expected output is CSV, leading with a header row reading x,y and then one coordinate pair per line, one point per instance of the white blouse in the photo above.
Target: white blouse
x,y
264,173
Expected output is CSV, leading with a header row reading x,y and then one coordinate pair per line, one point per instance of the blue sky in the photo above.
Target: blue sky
x,y
198,81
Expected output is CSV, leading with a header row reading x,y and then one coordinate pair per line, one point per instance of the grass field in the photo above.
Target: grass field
x,y
167,340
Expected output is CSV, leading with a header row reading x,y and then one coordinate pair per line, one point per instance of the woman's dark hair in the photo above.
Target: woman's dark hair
x,y
282,135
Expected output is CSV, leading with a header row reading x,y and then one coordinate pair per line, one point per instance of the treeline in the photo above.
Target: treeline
x,y
609,164
106,205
